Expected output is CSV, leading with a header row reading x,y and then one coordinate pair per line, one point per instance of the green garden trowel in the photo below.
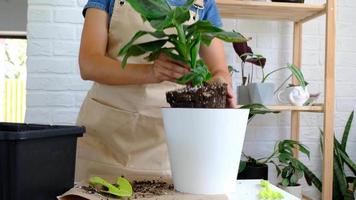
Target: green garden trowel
x,y
122,188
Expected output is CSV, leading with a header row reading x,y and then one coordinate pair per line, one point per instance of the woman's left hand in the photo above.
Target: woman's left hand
x,y
230,97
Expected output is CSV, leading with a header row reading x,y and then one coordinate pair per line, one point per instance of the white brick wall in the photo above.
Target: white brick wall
x,y
55,90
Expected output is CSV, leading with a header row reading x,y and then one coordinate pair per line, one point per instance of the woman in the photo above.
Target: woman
x,y
121,111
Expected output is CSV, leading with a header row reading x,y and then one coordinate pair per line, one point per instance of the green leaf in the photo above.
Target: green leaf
x,y
139,34
347,131
242,166
206,39
169,53
151,9
337,155
348,161
163,23
257,109
229,36
299,173
284,157
181,15
277,168
140,49
186,79
293,180
340,177
311,178
285,182
203,26
286,172
152,46
298,75
194,51
132,51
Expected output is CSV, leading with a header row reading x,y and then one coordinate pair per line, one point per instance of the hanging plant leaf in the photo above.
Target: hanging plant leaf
x,y
241,48
347,131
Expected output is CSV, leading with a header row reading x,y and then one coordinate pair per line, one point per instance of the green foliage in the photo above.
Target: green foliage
x,y
257,109
186,40
290,169
297,73
341,187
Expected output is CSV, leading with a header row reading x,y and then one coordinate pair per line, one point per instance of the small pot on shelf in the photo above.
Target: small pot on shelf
x,y
261,93
243,96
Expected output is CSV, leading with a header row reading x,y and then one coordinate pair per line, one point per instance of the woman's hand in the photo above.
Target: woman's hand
x,y
230,98
167,69
214,57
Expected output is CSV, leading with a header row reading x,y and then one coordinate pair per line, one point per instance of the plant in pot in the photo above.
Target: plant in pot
x,y
344,185
290,168
253,168
248,92
204,144
263,92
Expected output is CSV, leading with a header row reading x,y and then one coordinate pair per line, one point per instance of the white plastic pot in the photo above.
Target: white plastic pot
x,y
294,190
262,93
204,147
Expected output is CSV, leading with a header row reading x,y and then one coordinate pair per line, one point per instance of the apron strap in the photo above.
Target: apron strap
x,y
199,4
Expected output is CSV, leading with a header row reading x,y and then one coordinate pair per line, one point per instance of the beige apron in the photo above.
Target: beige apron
x,y
125,134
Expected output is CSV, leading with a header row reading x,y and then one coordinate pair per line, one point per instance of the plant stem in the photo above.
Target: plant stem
x,y
243,72
182,39
284,82
276,70
251,73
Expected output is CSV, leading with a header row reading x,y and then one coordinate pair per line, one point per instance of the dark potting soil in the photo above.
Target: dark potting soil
x,y
207,96
146,189
141,189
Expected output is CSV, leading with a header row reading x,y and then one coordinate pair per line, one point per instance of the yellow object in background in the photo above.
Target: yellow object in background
x,y
14,99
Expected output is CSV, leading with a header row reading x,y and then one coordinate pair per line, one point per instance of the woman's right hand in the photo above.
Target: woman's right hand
x,y
167,69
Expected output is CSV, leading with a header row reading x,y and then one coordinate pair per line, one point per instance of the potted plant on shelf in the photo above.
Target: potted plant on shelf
x,y
344,186
203,144
263,92
290,168
249,92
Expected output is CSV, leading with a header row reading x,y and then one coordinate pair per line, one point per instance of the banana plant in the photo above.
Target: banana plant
x,y
184,43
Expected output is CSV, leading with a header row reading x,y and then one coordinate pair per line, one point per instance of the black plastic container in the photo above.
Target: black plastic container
x,y
254,172
37,162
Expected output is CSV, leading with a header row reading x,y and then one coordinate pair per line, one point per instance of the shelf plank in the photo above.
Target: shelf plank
x,y
314,108
249,9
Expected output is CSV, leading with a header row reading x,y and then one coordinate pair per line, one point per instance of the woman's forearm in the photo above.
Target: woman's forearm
x,y
108,71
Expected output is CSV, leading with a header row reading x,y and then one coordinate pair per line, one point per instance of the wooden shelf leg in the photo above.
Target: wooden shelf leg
x,y
329,102
297,60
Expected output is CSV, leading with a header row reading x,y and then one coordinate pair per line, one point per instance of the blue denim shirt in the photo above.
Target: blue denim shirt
x,y
210,12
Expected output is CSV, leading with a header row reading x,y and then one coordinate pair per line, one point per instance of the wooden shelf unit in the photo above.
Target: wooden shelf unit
x,y
314,108
299,14
269,11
